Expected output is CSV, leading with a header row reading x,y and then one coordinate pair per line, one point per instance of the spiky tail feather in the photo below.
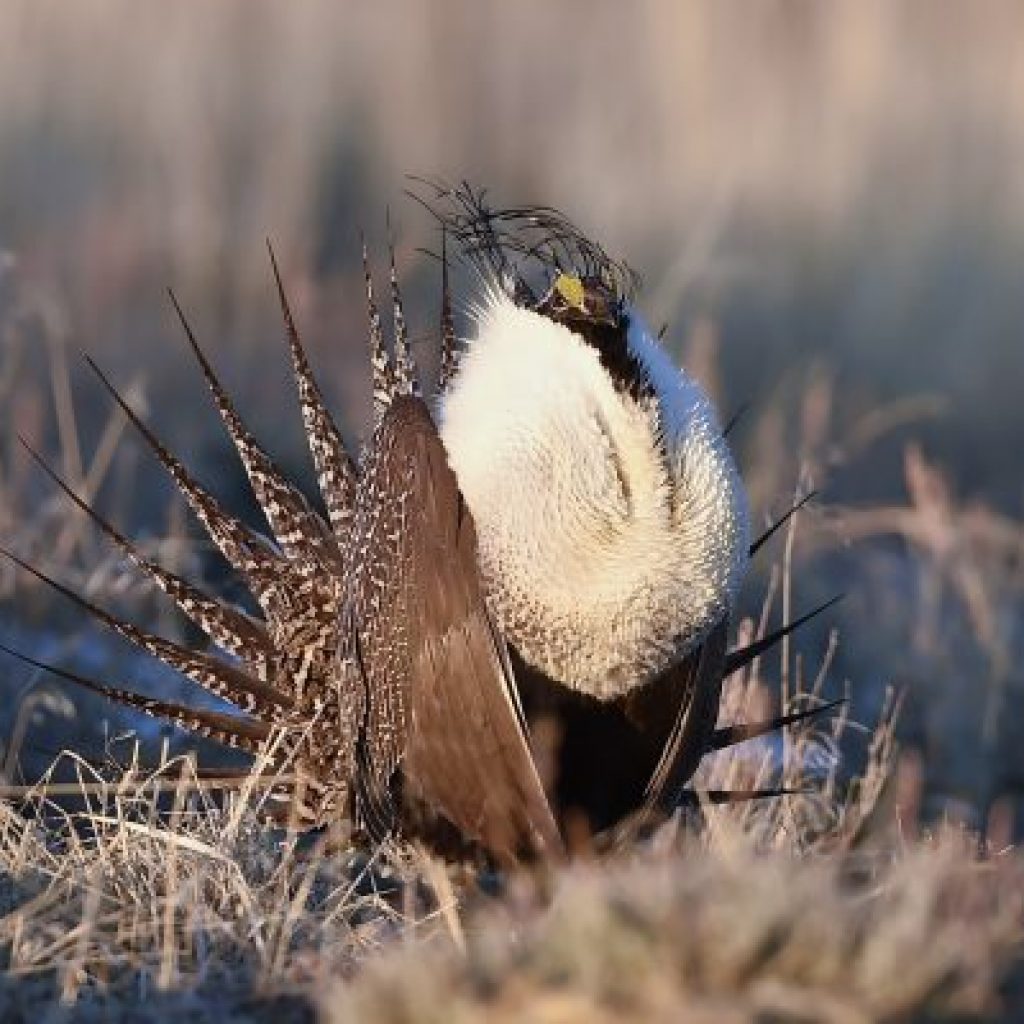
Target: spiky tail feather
x,y
449,349
299,531
230,730
730,735
263,568
743,656
382,371
780,522
230,628
406,380
335,469
215,676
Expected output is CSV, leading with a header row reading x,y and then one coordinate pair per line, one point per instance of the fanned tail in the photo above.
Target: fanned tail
x,y
298,581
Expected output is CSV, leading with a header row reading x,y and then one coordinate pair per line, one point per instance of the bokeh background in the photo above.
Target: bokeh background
x,y
825,200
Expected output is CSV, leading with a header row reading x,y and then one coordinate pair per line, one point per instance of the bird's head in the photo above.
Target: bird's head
x,y
612,522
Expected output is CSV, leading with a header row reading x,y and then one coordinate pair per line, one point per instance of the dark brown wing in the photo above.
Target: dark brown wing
x,y
670,726
441,699
694,727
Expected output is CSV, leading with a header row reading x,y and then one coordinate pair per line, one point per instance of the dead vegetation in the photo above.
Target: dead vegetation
x,y
728,935
153,893
151,890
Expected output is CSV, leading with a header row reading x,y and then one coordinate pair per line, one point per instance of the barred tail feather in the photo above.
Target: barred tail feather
x,y
299,530
335,470
405,368
229,730
215,676
230,628
383,373
264,569
449,354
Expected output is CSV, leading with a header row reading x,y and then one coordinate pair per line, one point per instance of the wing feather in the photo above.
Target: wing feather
x,y
440,695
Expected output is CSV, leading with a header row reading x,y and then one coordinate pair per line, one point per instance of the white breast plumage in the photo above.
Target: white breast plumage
x,y
613,529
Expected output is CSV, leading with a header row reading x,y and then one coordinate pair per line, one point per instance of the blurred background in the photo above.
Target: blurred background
x,y
826,203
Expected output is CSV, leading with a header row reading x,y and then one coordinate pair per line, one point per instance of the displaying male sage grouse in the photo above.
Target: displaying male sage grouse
x,y
559,538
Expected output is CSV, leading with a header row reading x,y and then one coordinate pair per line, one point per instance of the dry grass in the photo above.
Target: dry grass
x,y
190,903
730,937
153,892
153,885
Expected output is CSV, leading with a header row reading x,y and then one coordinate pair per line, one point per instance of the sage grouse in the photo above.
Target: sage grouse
x,y
558,541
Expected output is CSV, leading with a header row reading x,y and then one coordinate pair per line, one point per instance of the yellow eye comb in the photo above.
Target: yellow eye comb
x,y
571,289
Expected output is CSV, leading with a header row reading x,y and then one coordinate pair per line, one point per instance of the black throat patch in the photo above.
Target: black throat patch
x,y
601,321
